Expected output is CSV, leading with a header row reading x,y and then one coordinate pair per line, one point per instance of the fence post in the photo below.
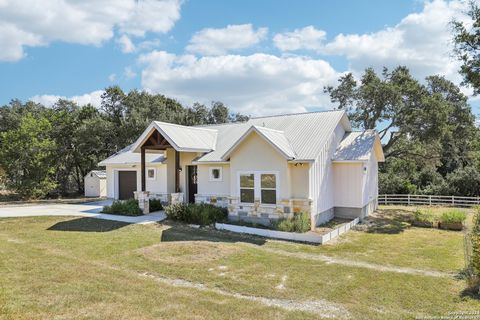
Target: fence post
x,y
430,200
453,200
408,201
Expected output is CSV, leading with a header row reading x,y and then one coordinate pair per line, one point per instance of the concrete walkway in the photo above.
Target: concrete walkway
x,y
90,210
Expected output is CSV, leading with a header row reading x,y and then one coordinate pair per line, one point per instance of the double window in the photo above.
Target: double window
x,y
261,185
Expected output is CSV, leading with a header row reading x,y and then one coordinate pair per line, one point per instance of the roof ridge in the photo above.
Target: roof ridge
x,y
182,126
296,114
267,128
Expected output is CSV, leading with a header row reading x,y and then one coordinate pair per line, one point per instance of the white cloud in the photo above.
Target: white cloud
x,y
421,41
126,44
94,98
220,41
254,84
34,23
129,73
306,38
112,77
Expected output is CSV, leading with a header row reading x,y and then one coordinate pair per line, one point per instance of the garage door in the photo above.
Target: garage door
x,y
127,184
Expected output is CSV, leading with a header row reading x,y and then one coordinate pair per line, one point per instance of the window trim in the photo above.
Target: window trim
x,y
257,187
154,173
210,174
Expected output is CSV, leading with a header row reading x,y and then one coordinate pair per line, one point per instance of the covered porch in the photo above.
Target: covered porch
x,y
180,145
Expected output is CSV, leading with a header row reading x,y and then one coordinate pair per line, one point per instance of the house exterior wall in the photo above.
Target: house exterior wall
x,y
157,186
370,181
321,179
348,184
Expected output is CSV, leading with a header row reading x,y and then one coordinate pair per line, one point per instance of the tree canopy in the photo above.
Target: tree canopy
x,y
48,151
427,128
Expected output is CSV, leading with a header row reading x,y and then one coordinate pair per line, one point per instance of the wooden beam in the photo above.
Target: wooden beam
x,y
142,167
177,171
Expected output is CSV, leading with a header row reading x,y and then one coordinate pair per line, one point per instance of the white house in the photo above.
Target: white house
x,y
263,169
96,184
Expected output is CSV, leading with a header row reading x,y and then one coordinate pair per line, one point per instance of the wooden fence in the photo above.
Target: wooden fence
x,y
419,199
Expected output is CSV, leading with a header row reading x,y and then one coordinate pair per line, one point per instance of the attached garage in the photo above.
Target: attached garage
x,y
96,184
127,184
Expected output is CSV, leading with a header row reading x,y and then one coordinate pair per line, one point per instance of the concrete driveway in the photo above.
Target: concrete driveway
x,y
90,209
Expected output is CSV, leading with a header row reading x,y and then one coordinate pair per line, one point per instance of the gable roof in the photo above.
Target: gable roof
x,y
275,138
127,156
358,146
101,174
181,138
306,133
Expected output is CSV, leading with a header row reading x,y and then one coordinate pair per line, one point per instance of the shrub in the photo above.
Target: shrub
x,y
473,255
453,216
124,207
202,214
155,205
299,223
423,216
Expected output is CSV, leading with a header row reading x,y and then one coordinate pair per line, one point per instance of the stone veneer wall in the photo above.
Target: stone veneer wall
x,y
257,212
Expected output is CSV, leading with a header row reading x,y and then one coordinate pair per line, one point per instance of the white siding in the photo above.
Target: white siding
x,y
370,181
321,174
159,185
348,184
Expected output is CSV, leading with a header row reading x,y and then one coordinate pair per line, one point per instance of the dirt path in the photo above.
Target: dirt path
x,y
358,264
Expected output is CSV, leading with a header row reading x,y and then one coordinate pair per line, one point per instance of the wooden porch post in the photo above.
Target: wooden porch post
x,y
177,171
142,167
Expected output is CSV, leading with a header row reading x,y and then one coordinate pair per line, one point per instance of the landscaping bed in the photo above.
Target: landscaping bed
x,y
130,207
452,219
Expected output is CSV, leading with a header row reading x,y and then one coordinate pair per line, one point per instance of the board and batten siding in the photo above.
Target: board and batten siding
x,y
321,174
370,181
348,184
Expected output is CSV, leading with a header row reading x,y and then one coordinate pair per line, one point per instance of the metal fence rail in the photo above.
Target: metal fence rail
x,y
419,199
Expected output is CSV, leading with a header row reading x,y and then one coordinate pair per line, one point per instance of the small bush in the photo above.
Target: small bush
x,y
423,216
299,223
473,255
202,214
155,205
124,207
453,216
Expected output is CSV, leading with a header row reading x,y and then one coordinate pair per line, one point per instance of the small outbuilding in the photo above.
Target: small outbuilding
x,y
96,183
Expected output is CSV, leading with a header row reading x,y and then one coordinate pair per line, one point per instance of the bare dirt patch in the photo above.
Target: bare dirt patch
x,y
189,252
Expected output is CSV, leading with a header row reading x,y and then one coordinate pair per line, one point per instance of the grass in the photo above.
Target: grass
x,y
71,268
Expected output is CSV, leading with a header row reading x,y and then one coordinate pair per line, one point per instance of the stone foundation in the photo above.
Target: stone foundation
x,y
163,197
256,212
143,198
176,198
221,201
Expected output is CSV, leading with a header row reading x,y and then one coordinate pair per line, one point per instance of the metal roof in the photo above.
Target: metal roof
x,y
127,156
306,133
181,138
101,174
357,146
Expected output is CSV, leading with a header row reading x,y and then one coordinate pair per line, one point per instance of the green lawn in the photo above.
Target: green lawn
x,y
81,268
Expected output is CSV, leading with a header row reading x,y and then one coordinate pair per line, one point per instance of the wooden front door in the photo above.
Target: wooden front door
x,y
127,184
192,183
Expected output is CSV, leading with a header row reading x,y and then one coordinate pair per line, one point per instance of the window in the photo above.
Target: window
x,y
216,174
247,188
268,188
261,185
151,174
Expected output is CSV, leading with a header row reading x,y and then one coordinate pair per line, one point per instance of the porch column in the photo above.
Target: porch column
x,y
177,171
142,167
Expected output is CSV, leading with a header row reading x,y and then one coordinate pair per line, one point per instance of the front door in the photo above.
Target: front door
x,y
127,184
192,183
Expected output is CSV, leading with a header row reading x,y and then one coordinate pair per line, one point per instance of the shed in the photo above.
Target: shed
x,y
96,183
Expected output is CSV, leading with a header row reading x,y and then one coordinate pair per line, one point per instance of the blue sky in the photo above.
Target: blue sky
x,y
259,57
